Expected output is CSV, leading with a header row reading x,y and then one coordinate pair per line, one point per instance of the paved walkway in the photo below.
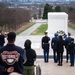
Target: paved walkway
x,y
34,27
30,30
51,68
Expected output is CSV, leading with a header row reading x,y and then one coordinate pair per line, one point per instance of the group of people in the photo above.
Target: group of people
x,y
57,44
14,58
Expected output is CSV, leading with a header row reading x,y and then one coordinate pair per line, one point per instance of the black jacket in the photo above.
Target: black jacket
x,y
67,42
30,54
11,55
45,42
31,57
2,38
54,43
72,48
60,46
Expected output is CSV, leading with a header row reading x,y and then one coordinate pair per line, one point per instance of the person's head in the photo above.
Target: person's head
x,y
1,32
60,37
56,34
72,40
11,36
45,33
69,34
27,44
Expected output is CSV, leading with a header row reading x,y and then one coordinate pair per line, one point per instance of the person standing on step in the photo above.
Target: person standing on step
x,y
45,47
60,50
67,42
12,57
54,46
72,51
31,57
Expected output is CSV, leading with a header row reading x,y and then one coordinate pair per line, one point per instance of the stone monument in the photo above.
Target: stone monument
x,y
57,21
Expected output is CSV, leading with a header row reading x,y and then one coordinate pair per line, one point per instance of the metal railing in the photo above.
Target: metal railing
x,y
37,69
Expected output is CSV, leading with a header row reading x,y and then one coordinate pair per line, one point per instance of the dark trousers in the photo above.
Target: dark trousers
x,y
46,55
60,57
67,55
55,55
72,59
29,70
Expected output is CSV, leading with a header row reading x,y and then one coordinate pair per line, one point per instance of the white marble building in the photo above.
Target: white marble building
x,y
57,21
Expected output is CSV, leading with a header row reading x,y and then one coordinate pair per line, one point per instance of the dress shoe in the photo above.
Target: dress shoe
x,y
59,64
71,65
66,61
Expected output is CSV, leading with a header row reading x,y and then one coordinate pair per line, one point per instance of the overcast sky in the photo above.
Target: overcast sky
x,y
37,0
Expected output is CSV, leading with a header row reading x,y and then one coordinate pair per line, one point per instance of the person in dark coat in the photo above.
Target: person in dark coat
x,y
54,46
60,50
67,42
72,51
45,47
12,57
31,57
2,38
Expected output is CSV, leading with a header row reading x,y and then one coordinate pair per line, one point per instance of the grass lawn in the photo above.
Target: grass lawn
x,y
72,27
40,30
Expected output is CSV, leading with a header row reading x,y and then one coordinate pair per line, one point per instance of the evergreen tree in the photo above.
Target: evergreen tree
x,y
70,9
57,8
47,8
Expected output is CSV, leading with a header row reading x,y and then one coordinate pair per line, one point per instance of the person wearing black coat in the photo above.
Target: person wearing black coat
x,y
67,42
2,39
31,57
72,51
54,46
60,50
12,57
45,47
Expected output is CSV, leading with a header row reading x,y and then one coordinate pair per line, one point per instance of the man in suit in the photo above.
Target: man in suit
x,y
72,51
67,42
54,46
